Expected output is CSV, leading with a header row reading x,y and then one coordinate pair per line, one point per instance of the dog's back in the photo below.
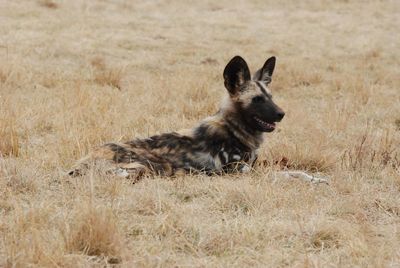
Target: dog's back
x,y
209,148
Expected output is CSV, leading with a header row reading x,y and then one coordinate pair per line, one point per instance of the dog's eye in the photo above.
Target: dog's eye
x,y
258,99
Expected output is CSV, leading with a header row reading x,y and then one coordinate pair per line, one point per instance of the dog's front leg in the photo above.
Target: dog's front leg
x,y
245,168
132,171
302,175
236,167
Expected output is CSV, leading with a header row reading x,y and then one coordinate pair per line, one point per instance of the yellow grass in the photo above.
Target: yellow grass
x,y
75,74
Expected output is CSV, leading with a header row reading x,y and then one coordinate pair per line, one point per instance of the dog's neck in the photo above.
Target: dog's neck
x,y
251,139
238,126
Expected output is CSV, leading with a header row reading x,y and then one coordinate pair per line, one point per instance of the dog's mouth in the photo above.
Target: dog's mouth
x,y
265,126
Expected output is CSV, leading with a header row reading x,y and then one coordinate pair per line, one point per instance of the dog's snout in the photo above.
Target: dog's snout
x,y
280,114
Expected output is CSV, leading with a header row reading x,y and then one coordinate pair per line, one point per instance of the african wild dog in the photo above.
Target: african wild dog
x,y
225,142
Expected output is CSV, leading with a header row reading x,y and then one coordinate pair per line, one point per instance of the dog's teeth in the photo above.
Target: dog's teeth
x,y
264,123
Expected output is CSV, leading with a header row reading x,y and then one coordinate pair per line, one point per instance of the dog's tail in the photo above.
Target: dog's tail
x,y
101,161
102,154
81,166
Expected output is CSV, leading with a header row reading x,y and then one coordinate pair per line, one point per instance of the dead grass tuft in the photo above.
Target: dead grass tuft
x,y
247,201
148,204
372,151
325,239
94,232
6,72
49,4
105,75
389,207
49,80
9,139
309,159
397,124
3,76
209,61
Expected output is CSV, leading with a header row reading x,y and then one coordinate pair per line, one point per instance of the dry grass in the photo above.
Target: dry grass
x,y
48,3
337,78
8,138
106,76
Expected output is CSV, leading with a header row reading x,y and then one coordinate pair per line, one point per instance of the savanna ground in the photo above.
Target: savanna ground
x,y
76,74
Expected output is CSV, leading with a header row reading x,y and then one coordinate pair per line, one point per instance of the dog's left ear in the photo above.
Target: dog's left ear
x,y
265,73
236,74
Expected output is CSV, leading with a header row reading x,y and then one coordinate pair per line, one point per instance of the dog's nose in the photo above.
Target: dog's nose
x,y
280,115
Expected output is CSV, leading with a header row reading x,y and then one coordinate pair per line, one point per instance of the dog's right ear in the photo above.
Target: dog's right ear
x,y
236,74
265,73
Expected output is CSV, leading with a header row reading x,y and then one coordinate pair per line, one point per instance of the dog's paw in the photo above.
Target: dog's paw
x,y
245,169
120,172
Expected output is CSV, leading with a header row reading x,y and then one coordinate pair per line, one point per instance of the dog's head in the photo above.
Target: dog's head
x,y
251,97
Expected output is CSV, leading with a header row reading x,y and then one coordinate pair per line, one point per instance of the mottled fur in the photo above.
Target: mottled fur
x,y
225,142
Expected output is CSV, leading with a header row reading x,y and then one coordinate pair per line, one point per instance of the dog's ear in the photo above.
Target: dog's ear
x,y
236,74
265,73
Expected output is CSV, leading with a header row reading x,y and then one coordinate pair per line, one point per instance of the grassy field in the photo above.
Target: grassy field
x,y
76,74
